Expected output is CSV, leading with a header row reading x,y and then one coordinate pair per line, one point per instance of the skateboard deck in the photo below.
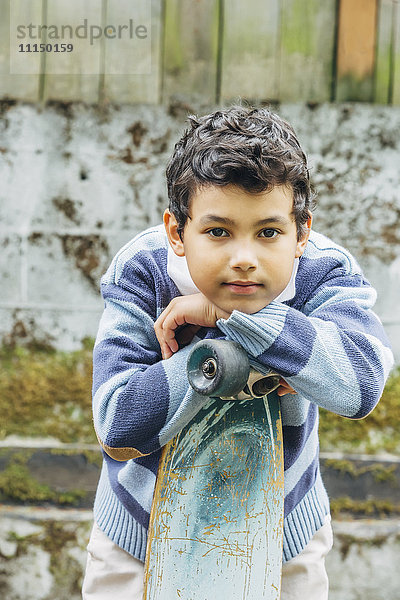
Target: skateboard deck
x,y
217,517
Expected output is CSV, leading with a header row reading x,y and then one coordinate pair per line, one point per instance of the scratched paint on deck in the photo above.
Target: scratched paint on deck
x,y
217,517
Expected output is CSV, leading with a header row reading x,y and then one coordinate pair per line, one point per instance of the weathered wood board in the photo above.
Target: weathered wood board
x,y
19,76
356,50
73,76
307,40
383,85
396,54
250,50
207,51
132,68
191,33
217,517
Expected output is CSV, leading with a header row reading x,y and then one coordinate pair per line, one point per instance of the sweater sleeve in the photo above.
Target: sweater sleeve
x,y
333,351
139,401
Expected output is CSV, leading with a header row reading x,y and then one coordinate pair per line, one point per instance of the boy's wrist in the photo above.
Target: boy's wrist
x,y
221,314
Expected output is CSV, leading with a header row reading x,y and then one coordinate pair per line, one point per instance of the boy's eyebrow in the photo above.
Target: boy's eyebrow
x,y
206,219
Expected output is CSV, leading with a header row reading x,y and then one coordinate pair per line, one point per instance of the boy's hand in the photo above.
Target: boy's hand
x,y
284,388
194,310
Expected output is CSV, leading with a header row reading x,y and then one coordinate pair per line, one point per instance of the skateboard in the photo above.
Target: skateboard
x,y
216,525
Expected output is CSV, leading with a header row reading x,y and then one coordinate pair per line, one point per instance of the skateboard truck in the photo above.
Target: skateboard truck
x,y
222,370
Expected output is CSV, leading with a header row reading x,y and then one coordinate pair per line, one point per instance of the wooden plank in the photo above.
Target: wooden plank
x,y
191,50
356,49
307,48
19,73
132,66
250,51
396,54
72,76
384,58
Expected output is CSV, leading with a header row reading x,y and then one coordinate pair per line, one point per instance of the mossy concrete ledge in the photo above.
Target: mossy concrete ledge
x,y
66,476
364,561
42,552
42,555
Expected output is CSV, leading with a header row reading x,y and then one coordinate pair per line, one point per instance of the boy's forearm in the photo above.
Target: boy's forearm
x,y
141,409
139,400
340,369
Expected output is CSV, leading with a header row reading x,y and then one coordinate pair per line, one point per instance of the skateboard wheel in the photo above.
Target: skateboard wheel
x,y
218,368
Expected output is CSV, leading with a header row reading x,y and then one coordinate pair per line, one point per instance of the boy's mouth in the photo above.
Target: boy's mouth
x,y
243,287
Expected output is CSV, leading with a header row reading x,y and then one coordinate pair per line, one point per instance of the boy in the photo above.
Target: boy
x,y
236,259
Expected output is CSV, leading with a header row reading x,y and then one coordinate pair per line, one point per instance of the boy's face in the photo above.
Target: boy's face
x,y
239,246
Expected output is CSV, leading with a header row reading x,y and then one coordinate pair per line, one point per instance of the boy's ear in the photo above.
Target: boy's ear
x,y
171,227
302,243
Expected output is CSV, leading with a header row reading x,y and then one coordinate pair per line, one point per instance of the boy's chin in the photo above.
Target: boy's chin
x,y
248,308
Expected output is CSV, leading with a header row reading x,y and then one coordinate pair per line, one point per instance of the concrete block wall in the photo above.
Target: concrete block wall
x,y
77,182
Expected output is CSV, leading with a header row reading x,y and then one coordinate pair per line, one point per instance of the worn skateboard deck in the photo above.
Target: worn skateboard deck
x,y
217,518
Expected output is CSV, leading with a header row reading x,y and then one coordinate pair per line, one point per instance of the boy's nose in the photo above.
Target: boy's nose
x,y
244,259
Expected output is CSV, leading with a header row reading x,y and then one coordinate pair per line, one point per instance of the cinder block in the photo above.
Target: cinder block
x,y
11,252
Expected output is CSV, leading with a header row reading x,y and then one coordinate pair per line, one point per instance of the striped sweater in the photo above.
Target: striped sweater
x,y
326,342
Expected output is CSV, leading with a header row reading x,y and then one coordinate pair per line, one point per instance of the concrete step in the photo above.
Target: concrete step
x,y
362,485
42,555
66,475
42,552
47,490
364,561
46,474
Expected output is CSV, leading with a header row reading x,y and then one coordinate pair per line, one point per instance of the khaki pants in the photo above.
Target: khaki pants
x,y
113,574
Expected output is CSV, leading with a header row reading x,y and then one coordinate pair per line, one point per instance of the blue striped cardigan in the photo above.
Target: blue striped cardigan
x,y
326,342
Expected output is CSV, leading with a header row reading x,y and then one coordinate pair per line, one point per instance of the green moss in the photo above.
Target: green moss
x,y
363,508
352,88
57,538
379,432
380,472
383,474
297,36
345,467
347,541
47,393
18,485
93,457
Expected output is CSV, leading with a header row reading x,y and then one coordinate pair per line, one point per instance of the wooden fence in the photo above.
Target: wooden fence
x,y
219,50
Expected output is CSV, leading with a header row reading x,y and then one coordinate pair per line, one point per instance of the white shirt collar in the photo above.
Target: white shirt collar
x,y
178,270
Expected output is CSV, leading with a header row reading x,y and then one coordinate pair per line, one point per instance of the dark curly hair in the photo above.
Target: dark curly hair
x,y
252,148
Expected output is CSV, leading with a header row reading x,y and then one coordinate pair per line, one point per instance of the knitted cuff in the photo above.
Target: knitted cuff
x,y
255,332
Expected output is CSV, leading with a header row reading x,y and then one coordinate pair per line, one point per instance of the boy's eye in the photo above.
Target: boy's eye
x,y
217,232
269,233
